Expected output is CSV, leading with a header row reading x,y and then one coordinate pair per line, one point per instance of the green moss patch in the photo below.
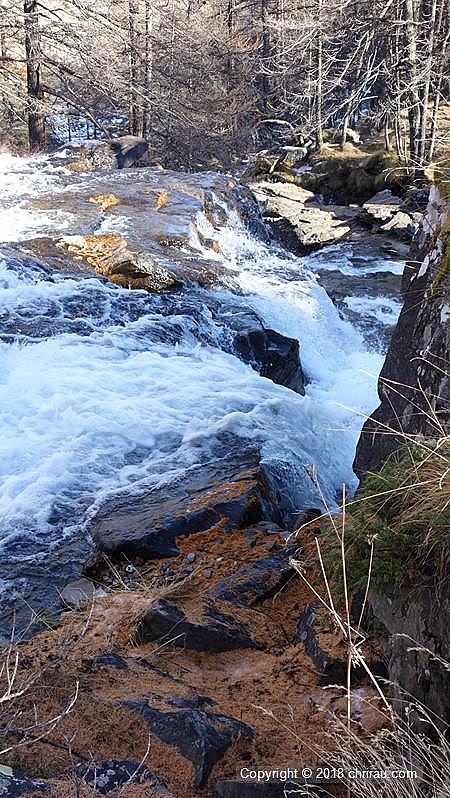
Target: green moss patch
x,y
403,511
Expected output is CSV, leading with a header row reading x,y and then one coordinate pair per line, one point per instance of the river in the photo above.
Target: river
x,y
106,391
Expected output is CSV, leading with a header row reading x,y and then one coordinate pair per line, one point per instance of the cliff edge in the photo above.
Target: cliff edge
x,y
414,384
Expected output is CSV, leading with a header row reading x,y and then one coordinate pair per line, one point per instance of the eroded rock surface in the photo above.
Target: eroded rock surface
x,y
296,214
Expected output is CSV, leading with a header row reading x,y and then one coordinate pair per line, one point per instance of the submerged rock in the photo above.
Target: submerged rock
x,y
274,355
201,736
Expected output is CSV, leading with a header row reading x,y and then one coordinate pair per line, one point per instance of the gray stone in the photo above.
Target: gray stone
x,y
400,224
77,593
382,206
112,774
299,220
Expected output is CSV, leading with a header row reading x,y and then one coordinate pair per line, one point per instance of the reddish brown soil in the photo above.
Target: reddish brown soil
x,y
273,690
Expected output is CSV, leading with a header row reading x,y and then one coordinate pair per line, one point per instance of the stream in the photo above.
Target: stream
x,y
107,392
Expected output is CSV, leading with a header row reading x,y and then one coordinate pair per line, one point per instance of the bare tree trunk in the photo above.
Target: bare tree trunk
x,y
439,79
6,105
414,99
148,69
427,84
36,116
319,88
136,123
265,52
345,126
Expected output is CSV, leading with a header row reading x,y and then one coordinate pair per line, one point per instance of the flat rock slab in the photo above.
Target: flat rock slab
x,y
149,526
215,631
107,775
257,582
401,225
200,735
382,206
296,212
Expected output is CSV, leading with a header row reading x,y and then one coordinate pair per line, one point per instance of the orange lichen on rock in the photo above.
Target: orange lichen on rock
x,y
106,201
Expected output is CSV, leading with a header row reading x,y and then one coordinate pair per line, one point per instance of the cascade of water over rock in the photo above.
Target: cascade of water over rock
x,y
117,404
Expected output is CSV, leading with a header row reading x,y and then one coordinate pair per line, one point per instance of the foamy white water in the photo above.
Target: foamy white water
x,y
103,390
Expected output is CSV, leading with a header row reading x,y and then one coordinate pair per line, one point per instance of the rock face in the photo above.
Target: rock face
x,y
418,648
414,385
275,356
414,391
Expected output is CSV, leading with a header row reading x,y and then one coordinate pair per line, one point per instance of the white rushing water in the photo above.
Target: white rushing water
x,y
103,390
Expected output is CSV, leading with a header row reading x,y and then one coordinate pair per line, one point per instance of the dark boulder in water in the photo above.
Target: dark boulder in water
x,y
274,355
